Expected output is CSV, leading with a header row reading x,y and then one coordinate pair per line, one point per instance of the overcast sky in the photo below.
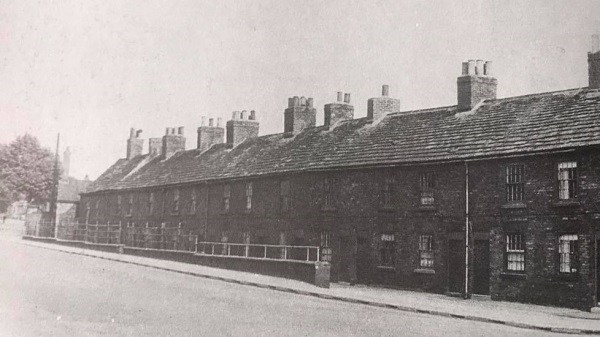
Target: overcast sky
x,y
92,69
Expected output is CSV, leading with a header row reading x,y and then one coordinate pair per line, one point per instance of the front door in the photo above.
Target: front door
x,y
456,266
481,267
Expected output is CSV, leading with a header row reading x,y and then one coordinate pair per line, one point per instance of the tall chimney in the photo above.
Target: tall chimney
x,y
210,135
66,162
476,84
238,130
594,63
299,115
338,111
135,144
381,106
172,142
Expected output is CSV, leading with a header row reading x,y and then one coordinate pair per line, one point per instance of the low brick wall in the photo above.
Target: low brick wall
x,y
311,272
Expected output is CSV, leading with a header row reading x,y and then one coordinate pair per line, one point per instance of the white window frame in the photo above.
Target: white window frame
x,y
568,253
567,180
515,252
426,256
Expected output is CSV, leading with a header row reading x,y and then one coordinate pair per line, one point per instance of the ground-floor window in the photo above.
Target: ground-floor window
x,y
426,251
567,250
388,250
515,252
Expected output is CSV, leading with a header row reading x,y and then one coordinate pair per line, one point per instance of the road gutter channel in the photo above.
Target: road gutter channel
x,y
334,297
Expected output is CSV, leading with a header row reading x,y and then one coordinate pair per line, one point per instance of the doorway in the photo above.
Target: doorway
x,y
481,267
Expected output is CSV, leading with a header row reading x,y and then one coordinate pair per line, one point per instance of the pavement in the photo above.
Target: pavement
x,y
526,316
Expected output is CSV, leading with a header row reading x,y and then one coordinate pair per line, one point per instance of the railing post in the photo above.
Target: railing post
x,y
196,245
285,252
307,254
318,254
228,250
213,249
265,255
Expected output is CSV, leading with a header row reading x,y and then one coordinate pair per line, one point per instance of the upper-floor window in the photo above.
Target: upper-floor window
x,y
285,195
388,190
514,182
226,197
515,252
151,203
567,180
248,196
119,204
328,188
427,186
175,208
568,252
193,202
130,205
388,250
426,251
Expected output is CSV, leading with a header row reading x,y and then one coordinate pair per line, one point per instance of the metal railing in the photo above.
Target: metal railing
x,y
163,238
167,238
260,251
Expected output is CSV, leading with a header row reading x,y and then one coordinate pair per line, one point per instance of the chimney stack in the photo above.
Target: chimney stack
x,y
476,84
239,128
210,135
66,163
172,143
154,146
338,111
135,144
381,106
299,115
594,63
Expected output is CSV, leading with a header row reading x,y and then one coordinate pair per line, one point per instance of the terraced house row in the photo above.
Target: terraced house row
x,y
497,196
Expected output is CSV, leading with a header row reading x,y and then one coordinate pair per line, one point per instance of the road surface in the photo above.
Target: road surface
x,y
49,293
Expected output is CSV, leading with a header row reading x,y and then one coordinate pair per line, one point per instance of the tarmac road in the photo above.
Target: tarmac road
x,y
50,293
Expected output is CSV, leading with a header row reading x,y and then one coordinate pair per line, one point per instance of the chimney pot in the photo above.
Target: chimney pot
x,y
479,68
296,101
138,133
243,114
302,101
132,133
347,98
310,102
252,115
210,122
339,96
471,70
218,121
465,68
168,131
180,130
488,68
385,90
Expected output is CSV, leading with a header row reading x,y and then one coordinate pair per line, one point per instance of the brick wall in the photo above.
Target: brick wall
x,y
474,89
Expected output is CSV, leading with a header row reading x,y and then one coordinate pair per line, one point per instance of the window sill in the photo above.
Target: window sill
x,y
427,208
566,203
567,277
424,271
514,205
386,268
513,276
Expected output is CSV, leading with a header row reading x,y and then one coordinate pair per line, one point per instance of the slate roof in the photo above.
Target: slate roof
x,y
518,125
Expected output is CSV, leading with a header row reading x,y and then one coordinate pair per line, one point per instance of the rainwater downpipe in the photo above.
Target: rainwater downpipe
x,y
466,294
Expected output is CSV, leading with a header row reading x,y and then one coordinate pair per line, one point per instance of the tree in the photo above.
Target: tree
x,y
25,171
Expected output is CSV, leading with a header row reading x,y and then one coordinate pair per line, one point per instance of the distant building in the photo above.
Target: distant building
x,y
400,198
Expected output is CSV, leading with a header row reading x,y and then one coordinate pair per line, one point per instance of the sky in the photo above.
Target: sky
x,y
90,70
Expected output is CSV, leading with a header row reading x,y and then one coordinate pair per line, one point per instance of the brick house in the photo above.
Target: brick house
x,y
503,193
